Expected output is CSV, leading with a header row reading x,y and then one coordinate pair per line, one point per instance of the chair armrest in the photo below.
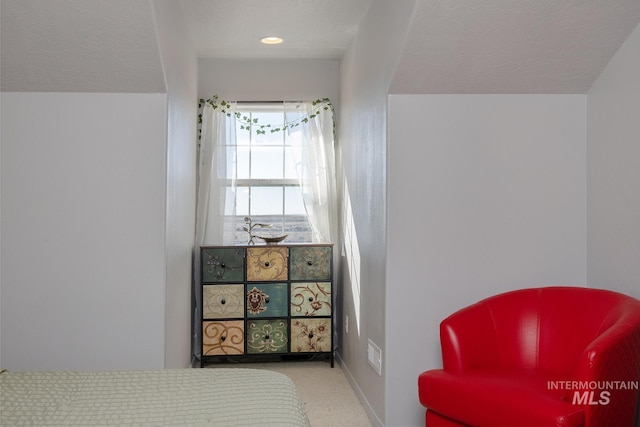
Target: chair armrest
x,y
611,359
613,355
468,339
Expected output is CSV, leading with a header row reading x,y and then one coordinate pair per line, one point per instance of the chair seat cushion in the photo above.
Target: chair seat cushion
x,y
495,398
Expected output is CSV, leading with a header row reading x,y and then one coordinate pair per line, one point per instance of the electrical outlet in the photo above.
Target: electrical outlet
x,y
374,356
346,324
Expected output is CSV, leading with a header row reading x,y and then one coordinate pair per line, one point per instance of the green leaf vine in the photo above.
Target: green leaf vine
x,y
246,123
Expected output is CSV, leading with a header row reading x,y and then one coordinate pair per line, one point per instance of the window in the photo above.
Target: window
x,y
266,177
272,162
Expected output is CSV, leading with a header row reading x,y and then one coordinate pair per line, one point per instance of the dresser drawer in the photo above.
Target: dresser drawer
x,y
266,264
310,263
267,336
311,299
310,335
221,338
267,300
222,265
222,301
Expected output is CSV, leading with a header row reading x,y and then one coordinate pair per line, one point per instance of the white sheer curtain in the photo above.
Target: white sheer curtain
x,y
216,178
216,186
315,159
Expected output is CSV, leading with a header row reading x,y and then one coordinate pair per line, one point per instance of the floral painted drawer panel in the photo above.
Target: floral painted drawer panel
x,y
222,338
311,299
222,265
222,301
310,263
267,300
310,335
267,336
267,264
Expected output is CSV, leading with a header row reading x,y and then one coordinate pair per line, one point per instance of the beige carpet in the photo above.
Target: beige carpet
x,y
329,399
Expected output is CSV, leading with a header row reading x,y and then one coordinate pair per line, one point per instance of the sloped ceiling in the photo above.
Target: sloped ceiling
x,y
511,46
452,46
79,46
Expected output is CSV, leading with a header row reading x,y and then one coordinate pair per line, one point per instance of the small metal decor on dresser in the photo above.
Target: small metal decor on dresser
x,y
269,240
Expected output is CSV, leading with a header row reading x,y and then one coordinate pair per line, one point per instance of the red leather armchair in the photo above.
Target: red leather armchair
x,y
556,356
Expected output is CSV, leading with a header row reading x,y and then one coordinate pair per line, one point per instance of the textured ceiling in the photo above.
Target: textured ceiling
x,y
452,46
310,28
79,46
512,46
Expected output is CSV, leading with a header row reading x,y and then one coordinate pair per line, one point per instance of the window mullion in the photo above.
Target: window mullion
x,y
267,183
250,162
282,209
284,168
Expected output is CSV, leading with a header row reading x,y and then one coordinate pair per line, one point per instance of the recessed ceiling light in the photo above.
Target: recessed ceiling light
x,y
271,40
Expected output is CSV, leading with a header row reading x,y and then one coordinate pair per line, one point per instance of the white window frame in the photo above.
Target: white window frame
x,y
248,109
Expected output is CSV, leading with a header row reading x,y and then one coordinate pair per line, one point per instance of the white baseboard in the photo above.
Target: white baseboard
x,y
373,417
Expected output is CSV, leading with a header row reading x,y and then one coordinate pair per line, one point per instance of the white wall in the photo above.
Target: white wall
x,y
83,225
1,230
269,80
180,69
485,193
366,70
614,172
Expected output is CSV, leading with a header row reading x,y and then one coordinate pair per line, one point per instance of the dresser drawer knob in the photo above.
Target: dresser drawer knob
x,y
311,335
310,299
222,338
266,264
266,300
309,262
223,301
266,337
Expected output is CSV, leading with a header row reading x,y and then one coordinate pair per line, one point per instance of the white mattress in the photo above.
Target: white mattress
x,y
182,397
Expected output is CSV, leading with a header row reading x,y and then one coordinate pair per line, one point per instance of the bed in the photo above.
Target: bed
x,y
222,397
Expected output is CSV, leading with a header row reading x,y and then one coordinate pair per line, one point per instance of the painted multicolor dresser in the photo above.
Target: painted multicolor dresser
x,y
266,301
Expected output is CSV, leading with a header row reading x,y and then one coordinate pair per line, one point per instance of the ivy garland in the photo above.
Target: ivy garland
x,y
246,123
